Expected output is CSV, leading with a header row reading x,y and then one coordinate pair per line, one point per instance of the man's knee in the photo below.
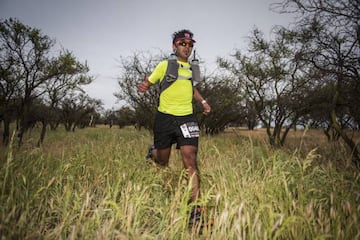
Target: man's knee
x,y
162,157
189,152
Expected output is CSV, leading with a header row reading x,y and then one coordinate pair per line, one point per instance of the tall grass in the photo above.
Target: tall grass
x,y
96,184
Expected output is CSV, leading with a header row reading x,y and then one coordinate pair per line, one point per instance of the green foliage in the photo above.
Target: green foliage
x,y
133,69
225,104
30,77
96,184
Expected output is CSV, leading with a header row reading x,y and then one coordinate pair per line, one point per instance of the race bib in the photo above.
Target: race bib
x,y
190,130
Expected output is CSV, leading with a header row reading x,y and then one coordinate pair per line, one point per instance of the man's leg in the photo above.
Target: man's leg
x,y
163,137
161,156
189,153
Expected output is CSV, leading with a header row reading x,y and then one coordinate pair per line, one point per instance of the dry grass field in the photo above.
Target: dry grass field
x,y
94,183
304,141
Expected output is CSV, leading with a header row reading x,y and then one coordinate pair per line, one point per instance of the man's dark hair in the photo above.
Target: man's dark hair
x,y
183,34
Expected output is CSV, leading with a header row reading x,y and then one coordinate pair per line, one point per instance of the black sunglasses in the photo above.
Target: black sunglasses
x,y
189,44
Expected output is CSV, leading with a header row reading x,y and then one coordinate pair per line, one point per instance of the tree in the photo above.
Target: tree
x,y
25,51
133,71
226,104
328,33
125,116
271,81
29,75
77,109
109,117
8,84
72,75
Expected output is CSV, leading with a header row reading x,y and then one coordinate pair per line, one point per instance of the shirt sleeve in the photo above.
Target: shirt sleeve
x,y
158,73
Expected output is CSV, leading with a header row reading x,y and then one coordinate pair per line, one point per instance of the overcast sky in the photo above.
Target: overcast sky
x,y
100,31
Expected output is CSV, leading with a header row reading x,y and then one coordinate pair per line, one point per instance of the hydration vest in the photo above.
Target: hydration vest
x,y
172,72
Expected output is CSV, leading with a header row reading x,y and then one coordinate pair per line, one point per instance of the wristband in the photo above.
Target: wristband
x,y
203,101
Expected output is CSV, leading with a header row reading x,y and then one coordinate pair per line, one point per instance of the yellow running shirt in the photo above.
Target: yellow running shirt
x,y
177,98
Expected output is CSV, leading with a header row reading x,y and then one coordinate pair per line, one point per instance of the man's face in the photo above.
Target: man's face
x,y
183,49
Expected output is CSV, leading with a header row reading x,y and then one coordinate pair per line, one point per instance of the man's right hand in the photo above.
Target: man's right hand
x,y
144,85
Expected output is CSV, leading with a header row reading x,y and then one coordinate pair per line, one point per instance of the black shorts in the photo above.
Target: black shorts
x,y
169,129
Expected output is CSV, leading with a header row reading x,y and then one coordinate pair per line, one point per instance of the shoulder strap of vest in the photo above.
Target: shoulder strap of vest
x,y
172,73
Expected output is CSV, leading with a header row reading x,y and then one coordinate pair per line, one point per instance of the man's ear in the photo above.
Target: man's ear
x,y
174,48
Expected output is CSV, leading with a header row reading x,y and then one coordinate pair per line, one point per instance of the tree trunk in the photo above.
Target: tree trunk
x,y
42,134
6,133
335,124
283,137
351,144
